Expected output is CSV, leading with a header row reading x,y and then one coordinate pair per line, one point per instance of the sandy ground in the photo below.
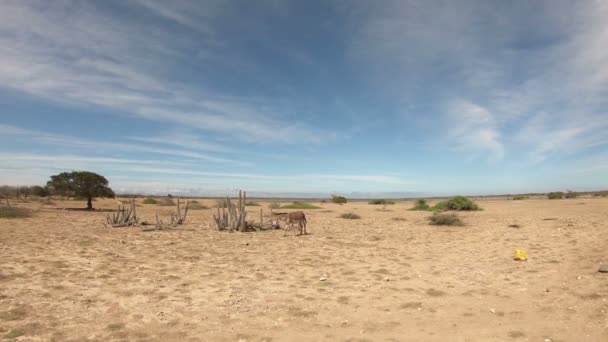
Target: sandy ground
x,y
387,277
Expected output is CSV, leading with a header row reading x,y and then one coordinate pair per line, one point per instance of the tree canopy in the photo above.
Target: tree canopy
x,y
80,184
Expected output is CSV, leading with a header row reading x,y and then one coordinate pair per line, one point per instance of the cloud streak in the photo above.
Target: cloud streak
x,y
89,60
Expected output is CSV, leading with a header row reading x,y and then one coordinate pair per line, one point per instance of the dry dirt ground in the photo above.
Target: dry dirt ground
x,y
386,277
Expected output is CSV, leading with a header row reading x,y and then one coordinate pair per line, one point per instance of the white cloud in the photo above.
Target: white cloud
x,y
94,59
473,128
549,73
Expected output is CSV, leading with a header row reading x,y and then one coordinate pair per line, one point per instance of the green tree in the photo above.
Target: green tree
x,y
81,184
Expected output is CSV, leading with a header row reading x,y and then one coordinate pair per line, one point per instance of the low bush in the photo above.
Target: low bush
x,y
14,212
274,205
443,219
519,197
338,199
571,194
555,195
380,201
421,205
601,194
149,200
300,205
350,216
457,203
252,204
166,202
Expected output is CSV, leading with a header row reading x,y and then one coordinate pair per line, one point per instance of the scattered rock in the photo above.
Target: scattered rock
x,y
323,278
603,268
493,311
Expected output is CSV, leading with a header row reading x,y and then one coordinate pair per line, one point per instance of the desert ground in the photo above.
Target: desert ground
x,y
389,276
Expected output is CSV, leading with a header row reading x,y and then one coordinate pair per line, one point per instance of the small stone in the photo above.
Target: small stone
x,y
603,268
493,311
323,279
387,279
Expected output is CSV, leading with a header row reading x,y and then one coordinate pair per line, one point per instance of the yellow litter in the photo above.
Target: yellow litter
x,y
520,255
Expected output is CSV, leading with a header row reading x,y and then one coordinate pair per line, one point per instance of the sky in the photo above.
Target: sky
x,y
359,98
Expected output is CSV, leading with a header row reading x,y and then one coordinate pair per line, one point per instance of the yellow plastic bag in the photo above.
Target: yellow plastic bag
x,y
520,255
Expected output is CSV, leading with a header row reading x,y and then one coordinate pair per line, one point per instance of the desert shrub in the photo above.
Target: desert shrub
x,y
555,195
40,191
457,203
166,202
14,212
601,194
399,219
443,219
150,200
519,197
350,216
571,194
300,205
380,201
421,205
338,199
252,204
274,205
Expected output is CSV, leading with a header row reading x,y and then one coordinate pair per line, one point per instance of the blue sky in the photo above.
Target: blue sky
x,y
367,98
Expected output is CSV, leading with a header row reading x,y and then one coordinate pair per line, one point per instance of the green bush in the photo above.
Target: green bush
x,y
252,204
338,199
456,203
555,195
380,201
519,197
300,205
571,194
444,219
14,212
421,205
350,216
150,200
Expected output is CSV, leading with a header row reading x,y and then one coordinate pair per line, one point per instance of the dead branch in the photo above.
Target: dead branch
x,y
123,217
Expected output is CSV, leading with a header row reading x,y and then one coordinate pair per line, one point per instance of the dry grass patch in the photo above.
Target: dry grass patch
x,y
445,220
196,205
166,202
350,216
14,212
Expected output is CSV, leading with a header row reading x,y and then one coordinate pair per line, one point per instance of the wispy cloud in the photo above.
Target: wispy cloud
x,y
543,82
116,147
473,128
95,59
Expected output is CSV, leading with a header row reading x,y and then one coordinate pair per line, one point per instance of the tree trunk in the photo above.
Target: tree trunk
x,y
89,202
